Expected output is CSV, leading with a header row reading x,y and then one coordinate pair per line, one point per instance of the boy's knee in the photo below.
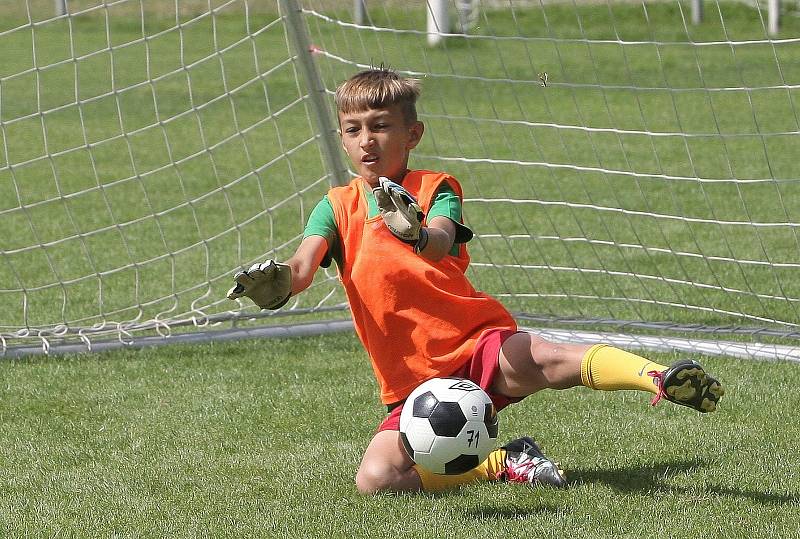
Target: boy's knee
x,y
374,477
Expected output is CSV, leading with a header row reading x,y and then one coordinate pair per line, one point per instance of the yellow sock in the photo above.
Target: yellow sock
x,y
608,369
486,471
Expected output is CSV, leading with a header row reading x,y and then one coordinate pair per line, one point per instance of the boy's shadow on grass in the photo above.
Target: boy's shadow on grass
x,y
638,479
652,479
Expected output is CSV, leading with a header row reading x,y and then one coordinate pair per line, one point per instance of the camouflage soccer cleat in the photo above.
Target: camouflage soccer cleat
x,y
525,463
687,384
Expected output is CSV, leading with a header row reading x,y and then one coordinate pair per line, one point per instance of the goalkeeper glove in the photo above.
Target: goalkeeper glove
x,y
401,213
268,284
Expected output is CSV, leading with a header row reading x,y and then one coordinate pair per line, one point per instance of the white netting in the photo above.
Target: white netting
x,y
621,166
619,162
148,150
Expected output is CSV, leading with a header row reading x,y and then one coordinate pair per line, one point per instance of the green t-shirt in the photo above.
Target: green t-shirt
x,y
322,222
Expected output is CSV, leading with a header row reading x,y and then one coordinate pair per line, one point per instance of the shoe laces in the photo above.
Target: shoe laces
x,y
524,468
659,378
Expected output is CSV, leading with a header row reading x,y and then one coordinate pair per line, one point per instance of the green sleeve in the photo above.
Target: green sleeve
x,y
446,204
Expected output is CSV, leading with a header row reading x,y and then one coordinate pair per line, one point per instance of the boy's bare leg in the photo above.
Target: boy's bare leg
x,y
529,363
386,466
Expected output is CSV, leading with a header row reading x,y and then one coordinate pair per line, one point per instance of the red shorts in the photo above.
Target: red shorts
x,y
481,368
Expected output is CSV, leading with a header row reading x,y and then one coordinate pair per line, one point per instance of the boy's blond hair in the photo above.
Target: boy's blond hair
x,y
378,89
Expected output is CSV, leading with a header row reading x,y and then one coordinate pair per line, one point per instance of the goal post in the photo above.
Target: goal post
x,y
630,176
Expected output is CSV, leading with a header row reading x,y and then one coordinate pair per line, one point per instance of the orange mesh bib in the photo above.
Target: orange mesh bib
x,y
417,319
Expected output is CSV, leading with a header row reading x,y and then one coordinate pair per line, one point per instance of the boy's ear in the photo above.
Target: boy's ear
x,y
415,131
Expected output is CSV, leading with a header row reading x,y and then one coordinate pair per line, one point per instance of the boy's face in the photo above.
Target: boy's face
x,y
378,142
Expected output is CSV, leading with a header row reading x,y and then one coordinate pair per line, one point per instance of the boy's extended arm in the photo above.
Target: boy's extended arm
x,y
305,262
441,235
270,284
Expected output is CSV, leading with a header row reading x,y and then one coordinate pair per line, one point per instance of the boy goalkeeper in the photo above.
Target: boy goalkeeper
x,y
399,243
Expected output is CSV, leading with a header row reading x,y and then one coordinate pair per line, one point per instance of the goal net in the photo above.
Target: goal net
x,y
629,175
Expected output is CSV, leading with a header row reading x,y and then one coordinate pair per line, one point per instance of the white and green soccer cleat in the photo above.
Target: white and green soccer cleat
x,y
688,384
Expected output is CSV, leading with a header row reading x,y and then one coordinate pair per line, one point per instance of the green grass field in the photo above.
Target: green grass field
x,y
123,169
262,439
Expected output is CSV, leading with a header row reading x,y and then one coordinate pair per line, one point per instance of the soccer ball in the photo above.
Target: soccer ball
x,y
448,425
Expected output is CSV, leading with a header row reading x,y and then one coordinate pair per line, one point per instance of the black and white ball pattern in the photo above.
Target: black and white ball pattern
x,y
448,425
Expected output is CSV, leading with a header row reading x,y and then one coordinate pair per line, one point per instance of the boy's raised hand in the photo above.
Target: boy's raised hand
x,y
268,284
399,210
